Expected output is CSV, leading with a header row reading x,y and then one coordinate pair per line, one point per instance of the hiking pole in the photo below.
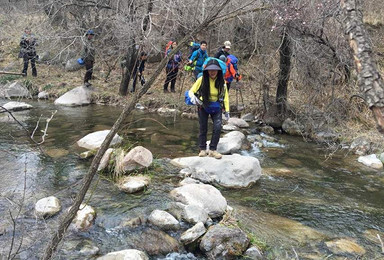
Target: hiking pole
x,y
238,86
12,73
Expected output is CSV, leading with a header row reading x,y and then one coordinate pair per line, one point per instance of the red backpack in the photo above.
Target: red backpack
x,y
167,46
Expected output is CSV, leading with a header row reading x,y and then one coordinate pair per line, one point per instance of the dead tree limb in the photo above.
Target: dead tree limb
x,y
87,179
370,81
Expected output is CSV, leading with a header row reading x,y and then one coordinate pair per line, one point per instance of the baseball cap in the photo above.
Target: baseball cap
x,y
212,65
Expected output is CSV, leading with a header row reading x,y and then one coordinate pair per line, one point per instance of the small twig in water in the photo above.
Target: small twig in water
x,y
296,255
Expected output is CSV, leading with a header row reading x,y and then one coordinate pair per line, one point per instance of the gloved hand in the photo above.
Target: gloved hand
x,y
195,100
226,114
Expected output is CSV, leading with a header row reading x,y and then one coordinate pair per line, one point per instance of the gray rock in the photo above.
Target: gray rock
x,y
221,242
47,207
84,219
205,196
73,65
189,180
155,242
253,253
76,97
230,128
248,117
105,159
194,214
231,142
89,250
381,157
267,129
137,158
128,254
371,161
163,220
132,184
292,128
17,106
94,140
360,146
238,122
43,95
169,112
232,171
193,233
14,90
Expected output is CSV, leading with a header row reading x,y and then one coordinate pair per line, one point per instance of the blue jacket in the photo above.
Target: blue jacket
x,y
174,61
200,56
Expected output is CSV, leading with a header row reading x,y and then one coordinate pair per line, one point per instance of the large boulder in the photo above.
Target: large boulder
x,y
128,254
132,184
94,140
47,207
232,171
72,65
14,90
17,106
137,158
222,242
76,97
205,196
163,220
231,142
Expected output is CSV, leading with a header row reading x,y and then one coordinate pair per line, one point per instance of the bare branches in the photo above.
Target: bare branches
x,y
46,127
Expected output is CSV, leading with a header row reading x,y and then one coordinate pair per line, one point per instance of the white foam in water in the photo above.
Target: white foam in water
x,y
177,256
272,144
255,150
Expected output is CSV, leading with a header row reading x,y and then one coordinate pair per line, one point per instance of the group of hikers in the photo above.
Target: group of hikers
x,y
213,77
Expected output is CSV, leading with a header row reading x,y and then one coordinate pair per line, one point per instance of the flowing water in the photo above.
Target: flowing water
x,y
306,197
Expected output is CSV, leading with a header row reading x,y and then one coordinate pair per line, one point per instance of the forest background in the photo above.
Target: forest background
x,y
294,55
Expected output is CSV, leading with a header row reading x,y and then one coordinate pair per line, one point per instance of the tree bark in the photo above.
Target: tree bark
x,y
128,67
369,79
284,73
87,179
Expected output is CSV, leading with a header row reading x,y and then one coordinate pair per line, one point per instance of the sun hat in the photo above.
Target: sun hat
x,y
212,65
227,44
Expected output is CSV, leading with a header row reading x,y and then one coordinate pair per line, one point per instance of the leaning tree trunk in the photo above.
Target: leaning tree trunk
x,y
369,79
284,73
87,179
128,67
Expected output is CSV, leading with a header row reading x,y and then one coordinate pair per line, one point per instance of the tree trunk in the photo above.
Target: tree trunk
x,y
128,67
369,79
87,179
284,73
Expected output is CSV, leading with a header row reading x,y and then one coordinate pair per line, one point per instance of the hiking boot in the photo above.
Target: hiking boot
x,y
173,91
203,153
87,84
215,154
166,91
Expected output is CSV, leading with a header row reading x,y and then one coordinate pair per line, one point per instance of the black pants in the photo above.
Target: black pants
x,y
88,70
203,121
135,77
171,77
228,85
26,59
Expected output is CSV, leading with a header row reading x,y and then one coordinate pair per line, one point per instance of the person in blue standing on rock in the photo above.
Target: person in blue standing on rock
x,y
172,68
198,57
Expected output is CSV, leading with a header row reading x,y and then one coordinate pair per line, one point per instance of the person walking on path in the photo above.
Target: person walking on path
x,y
224,50
210,94
28,45
199,57
88,56
138,71
172,68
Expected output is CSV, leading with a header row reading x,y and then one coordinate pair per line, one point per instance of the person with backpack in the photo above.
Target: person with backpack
x,y
210,94
28,45
224,50
88,56
172,68
232,72
138,71
198,57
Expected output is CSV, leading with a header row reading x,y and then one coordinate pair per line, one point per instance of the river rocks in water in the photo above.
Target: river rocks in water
x,y
84,218
221,242
381,157
128,254
238,122
76,97
194,214
94,140
188,180
17,106
137,158
232,171
43,95
345,245
47,207
267,129
155,242
14,90
230,128
253,253
248,117
87,154
205,196
231,142
105,159
291,127
193,233
163,220
132,184
168,111
72,65
360,146
371,161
